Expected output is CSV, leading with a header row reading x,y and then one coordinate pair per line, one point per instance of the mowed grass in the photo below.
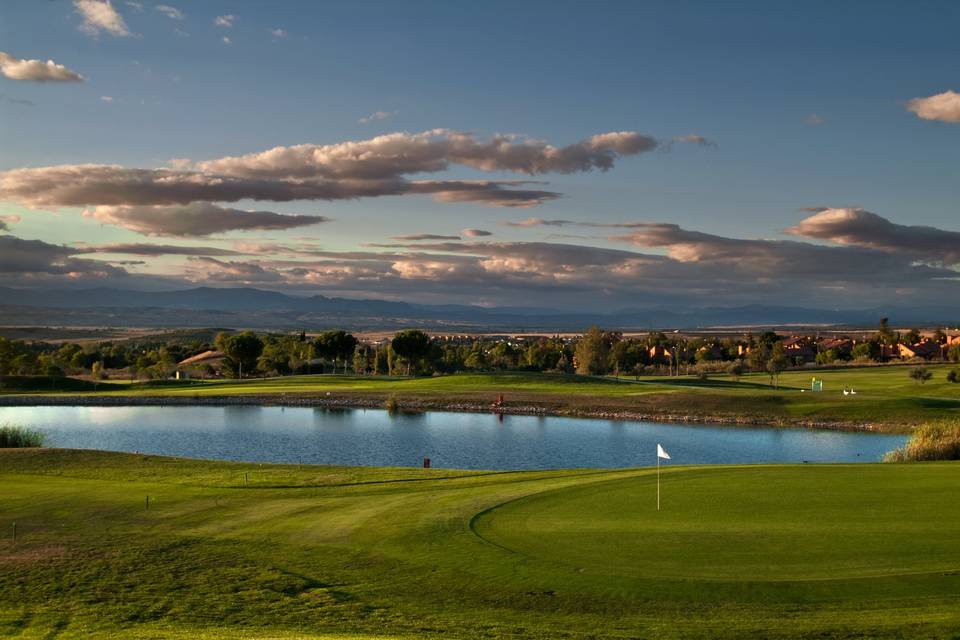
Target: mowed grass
x,y
885,396
752,551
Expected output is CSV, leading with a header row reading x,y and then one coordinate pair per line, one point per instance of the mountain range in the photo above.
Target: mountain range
x,y
256,308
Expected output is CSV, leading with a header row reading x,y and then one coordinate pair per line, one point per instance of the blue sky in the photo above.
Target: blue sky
x,y
805,104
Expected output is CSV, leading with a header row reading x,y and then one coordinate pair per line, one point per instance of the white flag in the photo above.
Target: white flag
x,y
661,453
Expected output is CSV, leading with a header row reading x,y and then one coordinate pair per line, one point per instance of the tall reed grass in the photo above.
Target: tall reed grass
x,y
932,441
15,437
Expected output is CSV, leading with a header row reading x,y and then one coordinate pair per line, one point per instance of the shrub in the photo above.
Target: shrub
x,y
953,375
921,374
392,405
933,441
14,437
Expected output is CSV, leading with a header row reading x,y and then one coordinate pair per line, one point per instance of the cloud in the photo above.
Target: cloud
x,y
171,12
225,21
392,155
100,16
424,236
814,120
538,222
21,101
153,250
213,270
81,185
18,256
6,221
376,115
227,40
35,70
279,33
944,107
695,139
196,219
134,4
858,227
107,99
475,233
376,167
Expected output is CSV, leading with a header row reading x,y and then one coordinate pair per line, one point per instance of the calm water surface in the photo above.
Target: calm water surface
x,y
453,440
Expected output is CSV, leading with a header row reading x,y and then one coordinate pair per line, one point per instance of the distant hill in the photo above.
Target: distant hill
x,y
256,308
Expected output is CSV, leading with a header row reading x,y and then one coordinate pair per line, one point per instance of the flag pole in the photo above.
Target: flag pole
x,y
658,482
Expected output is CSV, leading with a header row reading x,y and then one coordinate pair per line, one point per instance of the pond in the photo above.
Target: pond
x,y
451,440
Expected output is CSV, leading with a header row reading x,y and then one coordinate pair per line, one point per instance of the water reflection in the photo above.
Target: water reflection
x,y
464,440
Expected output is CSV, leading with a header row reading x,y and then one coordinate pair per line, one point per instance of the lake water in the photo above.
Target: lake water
x,y
452,440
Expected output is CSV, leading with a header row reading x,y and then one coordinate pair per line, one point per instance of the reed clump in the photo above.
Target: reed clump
x,y
932,441
16,437
392,405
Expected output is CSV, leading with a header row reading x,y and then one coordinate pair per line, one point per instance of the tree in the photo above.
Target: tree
x,y
776,364
954,353
912,337
953,376
336,346
735,369
920,374
241,349
866,351
411,345
592,352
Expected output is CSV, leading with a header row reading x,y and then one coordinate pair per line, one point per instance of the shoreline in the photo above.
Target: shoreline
x,y
461,406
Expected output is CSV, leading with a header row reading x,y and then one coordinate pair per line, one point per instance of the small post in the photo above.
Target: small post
x,y
14,533
246,479
147,502
426,463
658,483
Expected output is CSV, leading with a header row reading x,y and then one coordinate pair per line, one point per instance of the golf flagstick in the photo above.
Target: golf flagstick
x,y
661,453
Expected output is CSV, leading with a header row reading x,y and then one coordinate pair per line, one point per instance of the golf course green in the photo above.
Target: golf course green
x,y
225,550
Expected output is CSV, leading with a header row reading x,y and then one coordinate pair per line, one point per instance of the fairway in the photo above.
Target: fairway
x,y
887,398
243,550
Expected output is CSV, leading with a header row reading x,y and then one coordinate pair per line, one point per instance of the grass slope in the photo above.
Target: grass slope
x,y
885,395
756,551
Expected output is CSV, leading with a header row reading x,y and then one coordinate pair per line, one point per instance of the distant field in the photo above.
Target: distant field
x,y
884,395
755,551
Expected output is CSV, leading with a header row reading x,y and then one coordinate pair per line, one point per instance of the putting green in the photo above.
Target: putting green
x,y
743,523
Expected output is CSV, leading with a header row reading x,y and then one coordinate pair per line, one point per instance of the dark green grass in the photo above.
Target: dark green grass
x,y
886,396
755,551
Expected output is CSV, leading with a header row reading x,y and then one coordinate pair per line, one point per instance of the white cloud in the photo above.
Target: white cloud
x,y
227,40
391,155
376,115
171,12
814,120
225,21
693,138
35,70
944,107
98,16
135,5
106,98
858,227
279,33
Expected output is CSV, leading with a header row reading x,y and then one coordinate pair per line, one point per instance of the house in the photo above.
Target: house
x,y
197,366
660,353
925,349
799,348
841,346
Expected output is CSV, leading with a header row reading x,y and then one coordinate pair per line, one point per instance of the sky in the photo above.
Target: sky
x,y
559,154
